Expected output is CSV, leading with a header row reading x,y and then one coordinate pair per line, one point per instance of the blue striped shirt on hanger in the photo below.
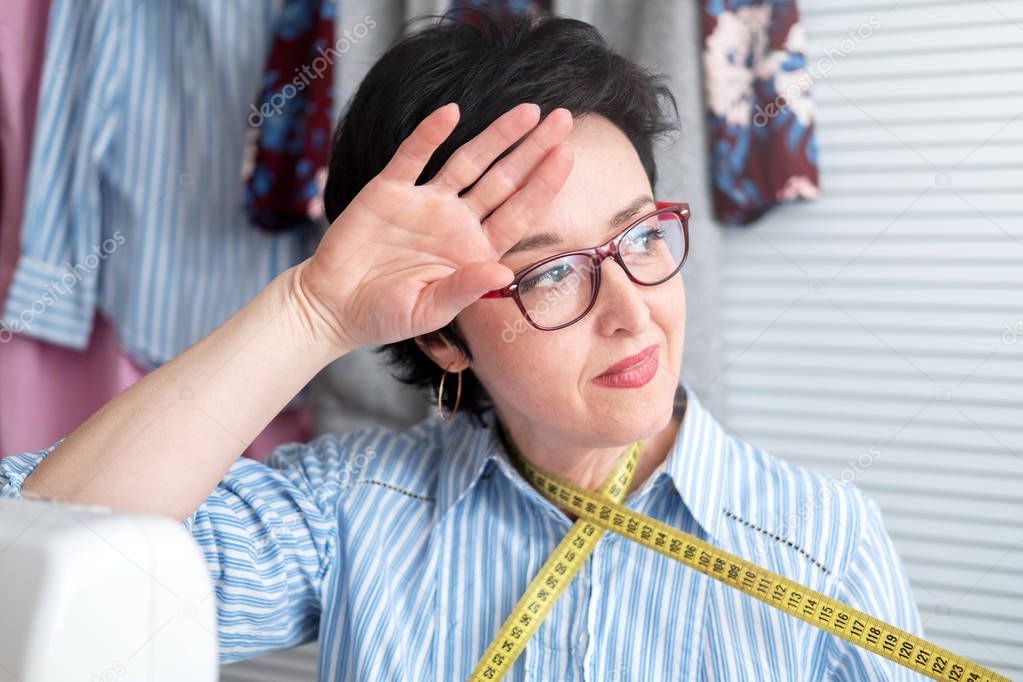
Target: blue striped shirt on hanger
x,y
134,200
405,551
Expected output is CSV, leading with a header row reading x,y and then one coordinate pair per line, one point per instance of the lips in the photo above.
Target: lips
x,y
631,361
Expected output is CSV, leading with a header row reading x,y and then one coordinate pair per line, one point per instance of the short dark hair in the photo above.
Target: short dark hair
x,y
487,66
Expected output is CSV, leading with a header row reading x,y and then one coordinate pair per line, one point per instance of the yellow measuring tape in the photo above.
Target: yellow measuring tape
x,y
602,510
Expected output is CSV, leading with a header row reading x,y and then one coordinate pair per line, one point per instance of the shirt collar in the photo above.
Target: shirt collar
x,y
698,463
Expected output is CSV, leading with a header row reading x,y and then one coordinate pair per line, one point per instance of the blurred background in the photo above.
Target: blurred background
x,y
854,284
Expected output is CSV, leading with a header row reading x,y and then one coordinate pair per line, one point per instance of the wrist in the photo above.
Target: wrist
x,y
314,321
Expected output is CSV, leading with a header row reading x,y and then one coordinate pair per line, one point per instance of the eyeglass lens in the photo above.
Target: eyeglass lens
x,y
560,291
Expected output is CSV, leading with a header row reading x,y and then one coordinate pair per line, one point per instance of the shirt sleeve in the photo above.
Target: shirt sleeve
x,y
14,469
268,533
877,584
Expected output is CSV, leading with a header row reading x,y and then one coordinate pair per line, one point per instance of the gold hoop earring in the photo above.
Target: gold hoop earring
x,y
440,395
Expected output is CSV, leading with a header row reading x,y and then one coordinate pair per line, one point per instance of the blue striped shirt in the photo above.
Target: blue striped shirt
x,y
133,205
405,551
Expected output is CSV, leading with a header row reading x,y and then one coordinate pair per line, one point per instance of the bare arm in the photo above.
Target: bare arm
x,y
163,444
401,260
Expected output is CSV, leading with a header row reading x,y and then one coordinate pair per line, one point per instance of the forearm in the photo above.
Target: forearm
x,y
162,445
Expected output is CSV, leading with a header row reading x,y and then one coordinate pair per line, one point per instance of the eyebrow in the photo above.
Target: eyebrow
x,y
550,239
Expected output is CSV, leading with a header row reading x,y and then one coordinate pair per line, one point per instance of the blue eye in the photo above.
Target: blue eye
x,y
644,241
551,275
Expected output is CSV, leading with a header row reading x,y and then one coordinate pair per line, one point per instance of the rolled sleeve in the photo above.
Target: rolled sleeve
x,y
877,584
14,469
268,533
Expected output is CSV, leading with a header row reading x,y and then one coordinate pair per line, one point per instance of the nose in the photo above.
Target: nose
x,y
620,303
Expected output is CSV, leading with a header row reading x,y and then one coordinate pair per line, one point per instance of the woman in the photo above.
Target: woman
x,y
404,552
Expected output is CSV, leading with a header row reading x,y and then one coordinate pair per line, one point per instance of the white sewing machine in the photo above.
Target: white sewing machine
x,y
92,595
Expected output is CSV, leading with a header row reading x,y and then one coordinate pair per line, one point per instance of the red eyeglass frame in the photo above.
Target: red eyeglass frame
x,y
597,254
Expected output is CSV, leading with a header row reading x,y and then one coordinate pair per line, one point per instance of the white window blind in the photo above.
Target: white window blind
x,y
876,334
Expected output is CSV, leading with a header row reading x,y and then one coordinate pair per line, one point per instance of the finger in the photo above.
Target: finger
x,y
510,173
415,151
472,159
445,298
513,218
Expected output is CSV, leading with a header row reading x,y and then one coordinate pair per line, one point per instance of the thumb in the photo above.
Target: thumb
x,y
449,296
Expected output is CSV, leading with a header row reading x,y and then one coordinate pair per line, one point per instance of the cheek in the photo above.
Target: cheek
x,y
668,310
493,328
508,353
499,338
671,303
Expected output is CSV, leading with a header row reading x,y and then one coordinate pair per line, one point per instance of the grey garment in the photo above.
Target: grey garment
x,y
661,35
386,22
358,390
664,36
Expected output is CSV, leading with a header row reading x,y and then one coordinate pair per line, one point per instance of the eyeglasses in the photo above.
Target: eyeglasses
x,y
560,290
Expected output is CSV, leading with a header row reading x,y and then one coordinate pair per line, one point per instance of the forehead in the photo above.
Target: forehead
x,y
606,176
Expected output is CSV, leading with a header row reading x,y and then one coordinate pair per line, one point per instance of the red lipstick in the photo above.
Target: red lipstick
x,y
631,372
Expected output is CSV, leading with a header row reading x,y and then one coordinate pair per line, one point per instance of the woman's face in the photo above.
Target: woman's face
x,y
545,379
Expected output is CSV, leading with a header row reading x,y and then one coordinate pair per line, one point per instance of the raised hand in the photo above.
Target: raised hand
x,y
404,259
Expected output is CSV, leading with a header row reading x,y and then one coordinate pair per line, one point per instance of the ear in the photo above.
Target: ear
x,y
442,352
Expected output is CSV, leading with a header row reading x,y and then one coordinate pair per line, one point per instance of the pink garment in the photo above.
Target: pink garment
x,y
22,43
47,391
